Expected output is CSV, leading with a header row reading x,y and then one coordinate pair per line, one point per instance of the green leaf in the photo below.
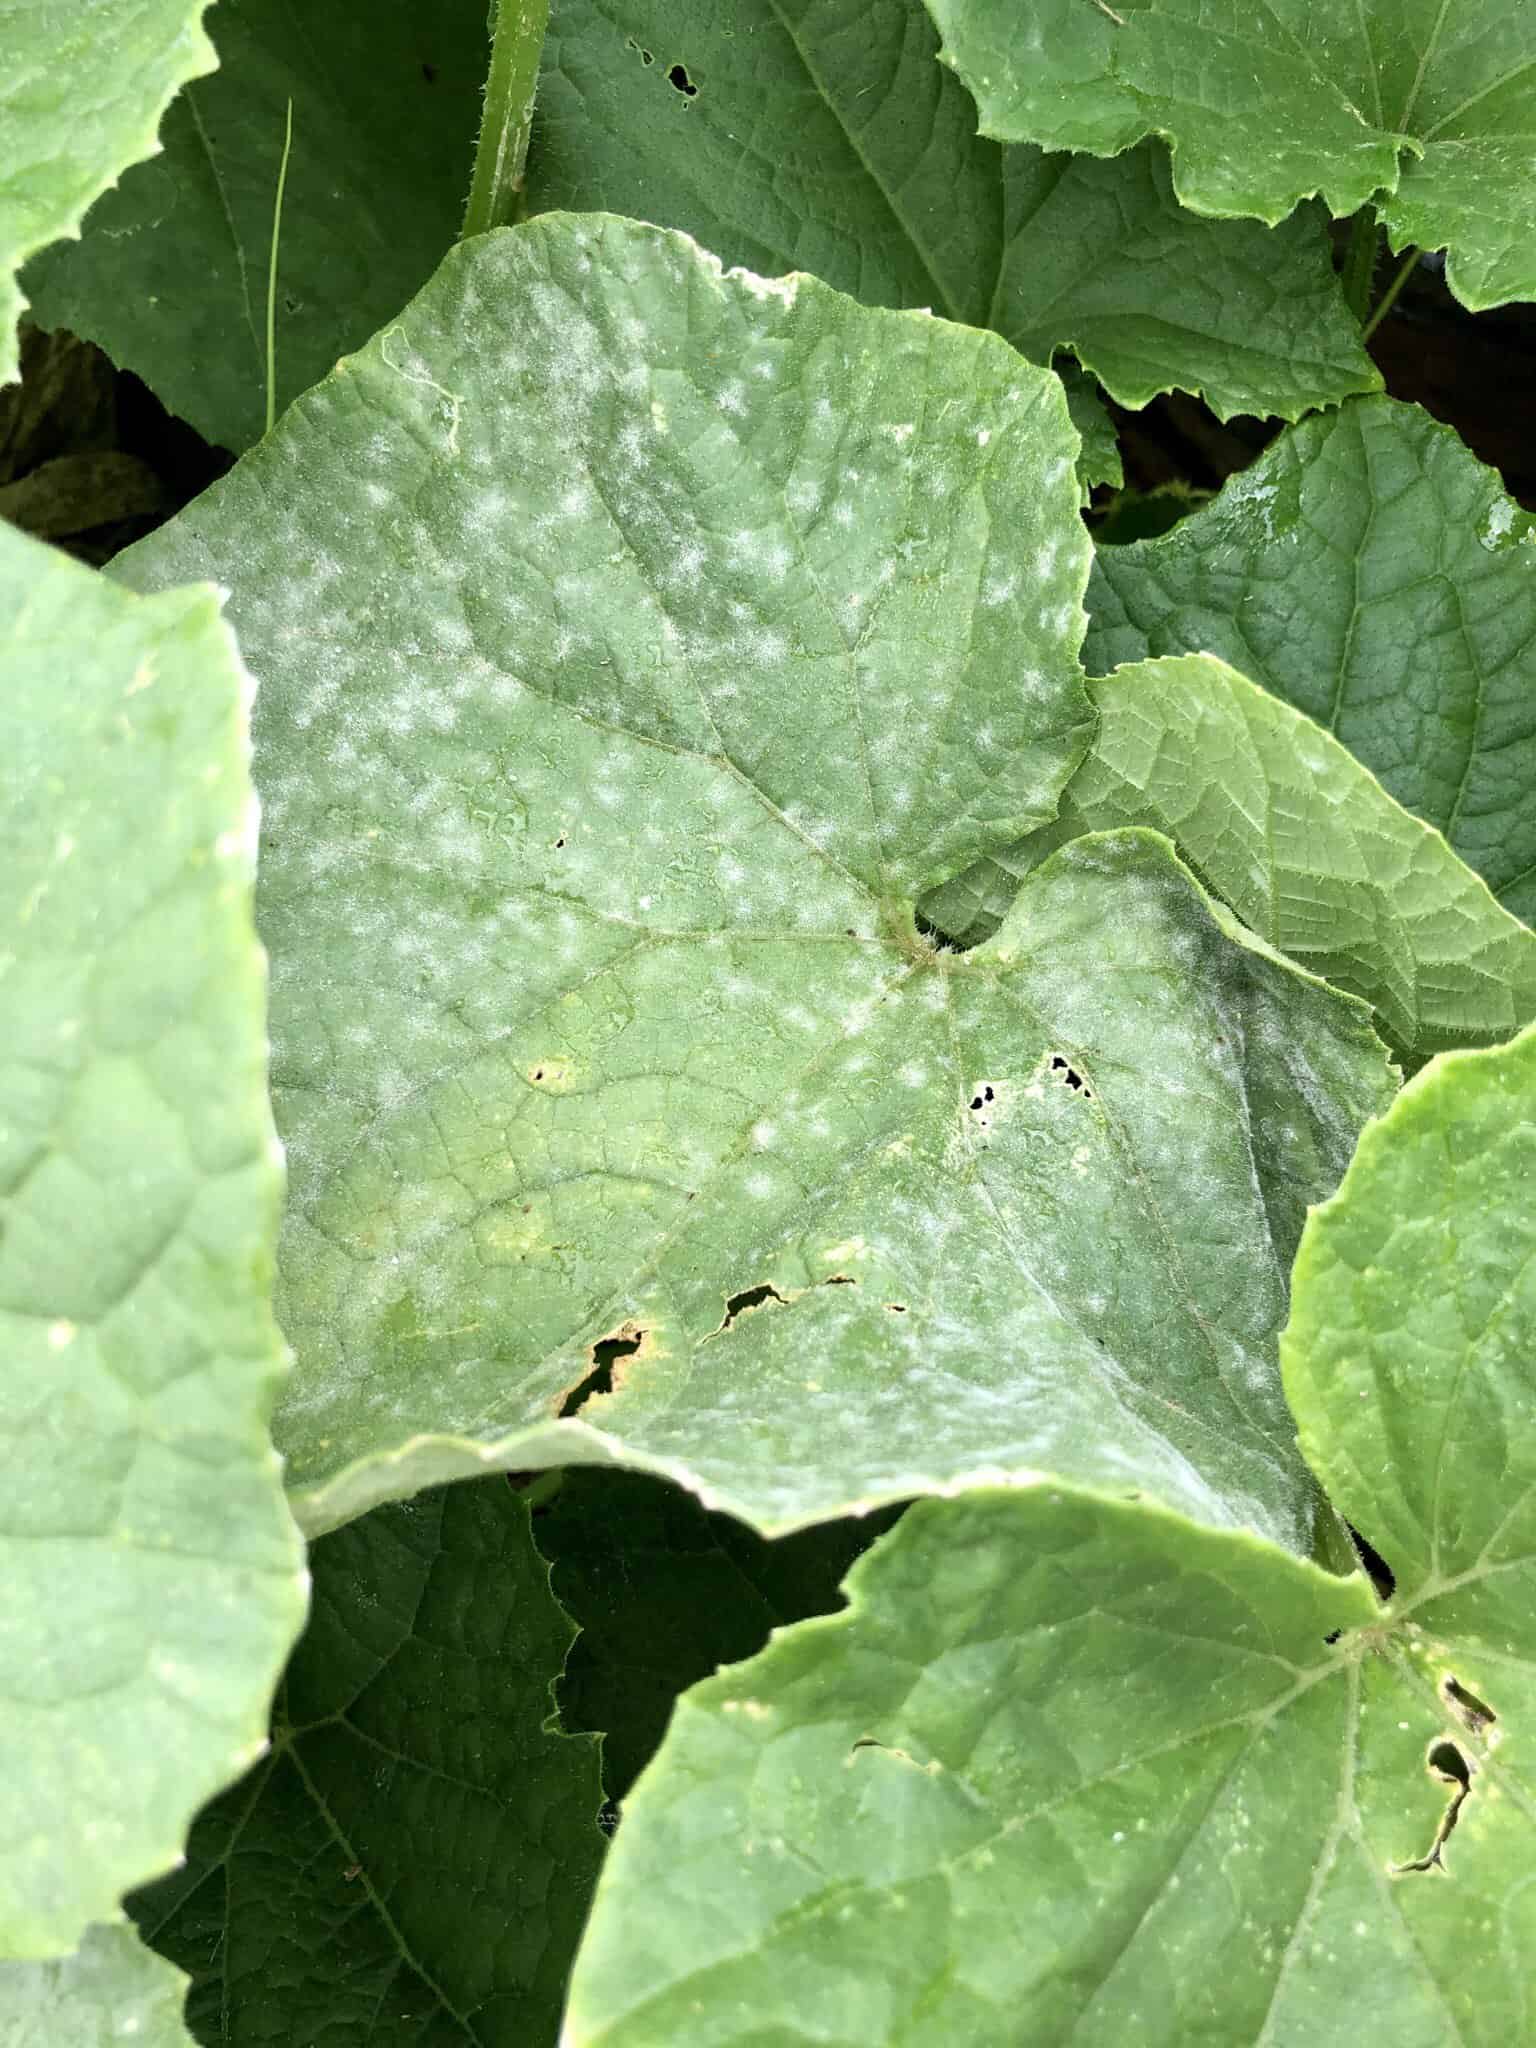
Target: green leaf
x,y
1283,824
636,646
664,1593
822,135
171,275
1410,103
111,1990
1073,1769
152,1573
82,96
413,1861
1370,570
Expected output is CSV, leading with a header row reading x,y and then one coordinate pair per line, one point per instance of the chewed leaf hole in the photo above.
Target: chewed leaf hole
x,y
1446,1762
623,1343
645,56
1377,1570
679,78
1062,1069
1475,1715
738,1305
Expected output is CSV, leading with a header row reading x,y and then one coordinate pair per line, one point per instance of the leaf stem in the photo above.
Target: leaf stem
x,y
277,230
517,42
1389,297
1360,262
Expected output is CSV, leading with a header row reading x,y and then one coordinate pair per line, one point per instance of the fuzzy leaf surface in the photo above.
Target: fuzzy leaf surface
x,y
412,1862
823,135
112,1989
1075,1769
80,99
1370,570
1422,107
152,1572
170,276
1284,824
629,669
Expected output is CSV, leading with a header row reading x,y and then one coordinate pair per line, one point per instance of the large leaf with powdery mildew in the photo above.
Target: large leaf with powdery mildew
x,y
152,1573
1285,825
1369,569
170,275
1419,106
1078,1770
413,1861
83,90
110,1991
822,135
636,645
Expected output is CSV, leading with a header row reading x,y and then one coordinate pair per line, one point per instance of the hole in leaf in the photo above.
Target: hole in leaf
x,y
679,78
1475,1715
897,1308
749,1297
1445,1762
622,1344
983,1096
1377,1570
1065,1070
645,56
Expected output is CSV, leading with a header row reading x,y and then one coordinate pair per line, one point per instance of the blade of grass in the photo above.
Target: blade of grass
x,y
277,230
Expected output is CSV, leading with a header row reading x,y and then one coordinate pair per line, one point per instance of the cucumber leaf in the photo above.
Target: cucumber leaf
x,y
637,644
81,98
111,1990
1419,106
170,276
152,1572
1075,1768
1284,824
1370,570
822,135
664,1592
413,1860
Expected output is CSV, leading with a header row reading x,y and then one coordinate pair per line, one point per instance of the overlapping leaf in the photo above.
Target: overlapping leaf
x,y
1285,825
1370,570
413,1861
151,1569
171,274
636,645
664,1592
1421,106
1076,1769
822,135
80,99
112,1990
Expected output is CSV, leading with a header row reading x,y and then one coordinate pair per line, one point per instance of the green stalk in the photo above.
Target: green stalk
x,y
277,229
517,41
1389,297
1360,262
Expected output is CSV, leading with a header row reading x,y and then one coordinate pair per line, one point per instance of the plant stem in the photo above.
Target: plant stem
x,y
277,229
1389,297
517,41
1360,262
